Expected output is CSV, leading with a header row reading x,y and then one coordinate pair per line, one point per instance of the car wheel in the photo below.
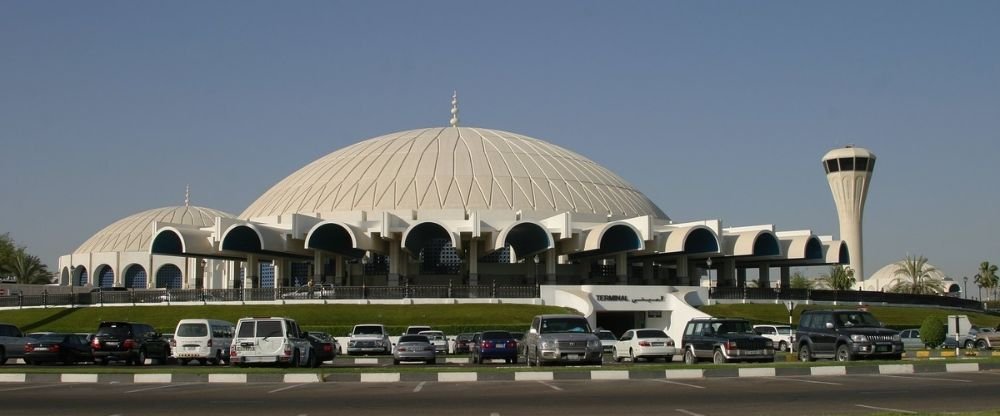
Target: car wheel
x,y
183,361
968,344
218,358
538,359
141,359
805,353
668,358
843,353
614,353
718,358
689,357
783,346
631,356
3,356
982,345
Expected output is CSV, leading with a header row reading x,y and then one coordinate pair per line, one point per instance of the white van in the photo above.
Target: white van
x,y
205,340
272,340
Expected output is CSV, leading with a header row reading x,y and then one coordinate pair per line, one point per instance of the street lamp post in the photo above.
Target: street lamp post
x,y
965,287
710,286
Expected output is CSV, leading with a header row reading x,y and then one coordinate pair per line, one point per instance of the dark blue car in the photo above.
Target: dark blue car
x,y
492,345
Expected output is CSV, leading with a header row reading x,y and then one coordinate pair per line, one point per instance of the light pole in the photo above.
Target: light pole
x,y
965,287
536,270
709,265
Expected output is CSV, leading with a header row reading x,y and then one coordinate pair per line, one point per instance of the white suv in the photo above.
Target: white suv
x,y
272,340
369,339
780,334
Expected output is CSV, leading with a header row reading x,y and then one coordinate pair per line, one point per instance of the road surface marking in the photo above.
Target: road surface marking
x,y
285,388
26,388
155,388
679,383
930,378
419,387
689,413
495,414
556,388
887,409
811,381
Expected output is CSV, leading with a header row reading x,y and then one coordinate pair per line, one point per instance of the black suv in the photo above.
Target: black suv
x,y
845,335
724,340
129,342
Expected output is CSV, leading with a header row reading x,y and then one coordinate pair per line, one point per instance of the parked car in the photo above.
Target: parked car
x,y
58,347
321,291
646,343
462,343
273,340
911,339
204,340
724,340
415,329
608,340
128,342
561,339
12,342
414,348
438,339
369,339
781,335
324,346
845,335
988,340
493,345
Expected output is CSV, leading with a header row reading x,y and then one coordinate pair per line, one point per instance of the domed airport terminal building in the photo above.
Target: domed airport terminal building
x,y
448,205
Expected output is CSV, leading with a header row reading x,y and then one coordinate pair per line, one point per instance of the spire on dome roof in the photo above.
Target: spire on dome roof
x,y
187,195
454,109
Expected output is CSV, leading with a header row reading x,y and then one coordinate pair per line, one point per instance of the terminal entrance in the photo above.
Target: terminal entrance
x,y
619,322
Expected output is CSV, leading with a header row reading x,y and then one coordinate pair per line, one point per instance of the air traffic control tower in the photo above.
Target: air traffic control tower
x,y
849,171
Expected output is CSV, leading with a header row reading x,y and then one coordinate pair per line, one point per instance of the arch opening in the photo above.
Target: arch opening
x,y
814,249
242,238
105,276
844,256
82,279
135,277
169,276
335,239
167,242
528,239
766,245
422,236
701,240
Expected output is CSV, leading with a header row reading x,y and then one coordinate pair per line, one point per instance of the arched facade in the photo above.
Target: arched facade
x,y
169,276
135,277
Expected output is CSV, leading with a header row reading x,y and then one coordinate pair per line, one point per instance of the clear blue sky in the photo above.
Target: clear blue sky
x,y
713,109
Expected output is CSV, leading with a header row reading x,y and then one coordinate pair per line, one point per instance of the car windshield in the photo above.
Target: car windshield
x,y
192,330
784,330
414,338
557,325
732,327
368,330
650,333
857,319
606,335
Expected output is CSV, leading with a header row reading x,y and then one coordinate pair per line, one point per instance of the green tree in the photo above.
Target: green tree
x,y
839,278
987,278
800,281
932,332
28,269
916,277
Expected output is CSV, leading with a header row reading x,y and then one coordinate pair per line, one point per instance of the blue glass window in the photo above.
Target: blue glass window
x,y
169,277
300,274
83,278
106,277
266,275
135,277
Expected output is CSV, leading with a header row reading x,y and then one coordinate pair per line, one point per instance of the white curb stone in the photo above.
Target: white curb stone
x,y
961,367
152,378
689,373
302,378
13,378
609,375
379,377
757,372
533,376
227,378
366,361
456,360
78,378
895,369
833,370
458,377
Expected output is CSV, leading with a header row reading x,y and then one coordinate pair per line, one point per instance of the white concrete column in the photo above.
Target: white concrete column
x,y
764,276
621,267
317,270
282,270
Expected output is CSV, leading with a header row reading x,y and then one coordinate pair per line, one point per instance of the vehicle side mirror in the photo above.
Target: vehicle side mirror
x,y
532,331
349,334
305,334
829,325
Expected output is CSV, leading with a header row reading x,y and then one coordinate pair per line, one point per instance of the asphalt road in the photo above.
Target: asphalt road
x,y
840,395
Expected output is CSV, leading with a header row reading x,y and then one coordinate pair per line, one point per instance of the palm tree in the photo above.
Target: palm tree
x,y
987,277
28,269
839,278
915,277
799,281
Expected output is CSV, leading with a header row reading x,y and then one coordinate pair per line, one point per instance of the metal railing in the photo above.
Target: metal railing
x,y
859,296
166,296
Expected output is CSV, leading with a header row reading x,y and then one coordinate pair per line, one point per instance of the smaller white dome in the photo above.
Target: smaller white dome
x,y
133,233
885,278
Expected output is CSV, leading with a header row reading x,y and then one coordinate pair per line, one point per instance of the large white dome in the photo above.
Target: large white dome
x,y
454,168
134,232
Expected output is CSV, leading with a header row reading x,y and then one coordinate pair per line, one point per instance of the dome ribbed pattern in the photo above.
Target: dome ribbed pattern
x,y
134,232
454,168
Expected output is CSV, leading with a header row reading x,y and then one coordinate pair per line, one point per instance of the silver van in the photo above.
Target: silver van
x,y
202,340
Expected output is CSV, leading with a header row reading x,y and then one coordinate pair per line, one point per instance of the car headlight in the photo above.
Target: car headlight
x,y
897,338
859,338
547,344
379,343
594,343
351,343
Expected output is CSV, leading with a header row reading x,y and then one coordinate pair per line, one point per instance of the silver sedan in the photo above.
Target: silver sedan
x,y
413,348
